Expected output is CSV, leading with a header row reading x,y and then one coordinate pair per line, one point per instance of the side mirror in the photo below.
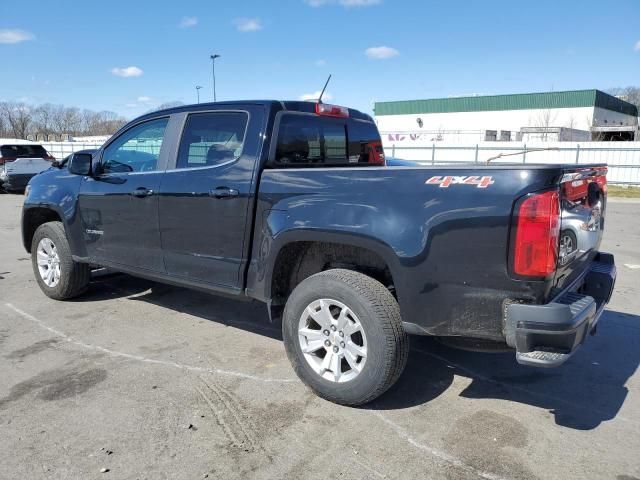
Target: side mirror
x,y
80,164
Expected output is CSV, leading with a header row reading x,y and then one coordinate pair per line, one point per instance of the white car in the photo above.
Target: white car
x,y
19,161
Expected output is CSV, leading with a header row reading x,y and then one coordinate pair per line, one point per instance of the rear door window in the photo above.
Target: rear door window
x,y
316,141
212,138
23,151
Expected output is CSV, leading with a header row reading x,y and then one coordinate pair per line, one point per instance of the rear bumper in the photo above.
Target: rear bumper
x,y
547,335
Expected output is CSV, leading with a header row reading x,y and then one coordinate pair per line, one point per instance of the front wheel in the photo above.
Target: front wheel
x,y
344,336
57,274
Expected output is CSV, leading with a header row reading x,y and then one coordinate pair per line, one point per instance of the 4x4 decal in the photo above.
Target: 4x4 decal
x,y
444,182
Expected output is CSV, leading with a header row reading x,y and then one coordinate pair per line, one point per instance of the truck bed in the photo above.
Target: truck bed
x,y
446,242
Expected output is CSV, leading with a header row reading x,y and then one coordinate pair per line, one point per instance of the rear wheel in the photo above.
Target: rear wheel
x,y
57,274
344,336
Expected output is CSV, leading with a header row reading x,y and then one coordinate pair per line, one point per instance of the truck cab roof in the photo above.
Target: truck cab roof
x,y
275,105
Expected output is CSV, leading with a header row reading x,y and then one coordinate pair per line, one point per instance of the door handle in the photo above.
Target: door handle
x,y
224,192
142,192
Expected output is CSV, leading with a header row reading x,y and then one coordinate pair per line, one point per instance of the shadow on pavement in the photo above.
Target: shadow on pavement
x,y
246,315
586,391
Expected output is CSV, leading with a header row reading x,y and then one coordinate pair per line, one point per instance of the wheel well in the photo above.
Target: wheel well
x,y
35,217
299,260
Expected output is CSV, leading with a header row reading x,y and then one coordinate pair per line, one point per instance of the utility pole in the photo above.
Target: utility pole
x,y
213,73
198,87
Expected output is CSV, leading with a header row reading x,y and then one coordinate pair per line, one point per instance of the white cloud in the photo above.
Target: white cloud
x,y
381,53
143,101
344,3
636,47
359,3
248,24
127,71
321,63
188,22
313,97
15,36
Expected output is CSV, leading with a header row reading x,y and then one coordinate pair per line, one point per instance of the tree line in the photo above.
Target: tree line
x,y
19,120
629,94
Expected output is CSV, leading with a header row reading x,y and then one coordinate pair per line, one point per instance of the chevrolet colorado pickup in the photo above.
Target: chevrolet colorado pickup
x,y
291,203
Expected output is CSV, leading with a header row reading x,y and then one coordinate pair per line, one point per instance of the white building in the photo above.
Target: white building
x,y
579,115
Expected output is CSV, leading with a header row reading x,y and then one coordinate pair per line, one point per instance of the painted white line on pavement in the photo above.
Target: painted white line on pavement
x,y
129,356
404,435
433,451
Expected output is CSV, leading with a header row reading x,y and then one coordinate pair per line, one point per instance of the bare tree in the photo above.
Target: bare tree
x,y
629,94
19,120
571,125
3,124
544,120
17,116
43,119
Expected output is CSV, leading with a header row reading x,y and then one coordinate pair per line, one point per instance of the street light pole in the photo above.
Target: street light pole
x,y
213,73
198,87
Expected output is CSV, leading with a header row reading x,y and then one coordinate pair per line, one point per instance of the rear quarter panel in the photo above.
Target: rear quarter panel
x,y
446,247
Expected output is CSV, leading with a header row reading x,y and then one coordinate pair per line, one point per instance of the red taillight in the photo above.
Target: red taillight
x,y
4,160
375,153
331,110
537,228
50,157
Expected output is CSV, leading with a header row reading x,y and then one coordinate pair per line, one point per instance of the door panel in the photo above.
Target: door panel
x,y
202,235
119,204
205,201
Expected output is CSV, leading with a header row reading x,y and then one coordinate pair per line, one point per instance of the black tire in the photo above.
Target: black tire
x,y
378,313
74,276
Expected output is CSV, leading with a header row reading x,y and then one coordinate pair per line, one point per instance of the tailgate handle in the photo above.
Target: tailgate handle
x,y
224,192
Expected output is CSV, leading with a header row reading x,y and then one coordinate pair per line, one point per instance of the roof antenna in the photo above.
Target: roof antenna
x,y
324,88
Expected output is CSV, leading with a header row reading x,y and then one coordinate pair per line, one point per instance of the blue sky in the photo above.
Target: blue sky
x,y
78,53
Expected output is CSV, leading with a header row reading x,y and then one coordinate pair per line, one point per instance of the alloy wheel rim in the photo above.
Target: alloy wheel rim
x,y
332,340
48,262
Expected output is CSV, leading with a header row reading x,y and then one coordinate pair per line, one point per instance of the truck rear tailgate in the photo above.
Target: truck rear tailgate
x,y
583,197
547,334
26,166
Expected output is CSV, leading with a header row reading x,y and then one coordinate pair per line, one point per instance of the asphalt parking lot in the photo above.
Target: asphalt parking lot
x,y
150,381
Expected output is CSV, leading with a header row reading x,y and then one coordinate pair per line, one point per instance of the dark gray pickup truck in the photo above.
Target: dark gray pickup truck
x,y
291,203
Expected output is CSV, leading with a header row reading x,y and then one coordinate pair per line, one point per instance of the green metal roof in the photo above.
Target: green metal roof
x,y
519,101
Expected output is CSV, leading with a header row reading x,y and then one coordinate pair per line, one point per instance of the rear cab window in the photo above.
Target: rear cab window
x,y
308,140
13,152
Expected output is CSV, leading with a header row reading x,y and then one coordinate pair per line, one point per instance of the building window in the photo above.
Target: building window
x,y
490,135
